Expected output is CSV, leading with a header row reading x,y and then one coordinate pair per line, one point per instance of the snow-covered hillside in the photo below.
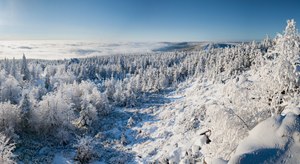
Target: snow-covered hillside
x,y
187,103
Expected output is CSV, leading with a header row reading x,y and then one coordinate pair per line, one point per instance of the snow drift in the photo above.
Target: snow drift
x,y
275,140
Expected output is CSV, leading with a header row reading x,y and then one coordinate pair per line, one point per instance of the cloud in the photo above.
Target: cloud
x,y
51,49
25,47
85,51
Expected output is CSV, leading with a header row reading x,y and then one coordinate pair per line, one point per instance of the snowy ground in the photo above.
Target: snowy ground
x,y
199,122
191,125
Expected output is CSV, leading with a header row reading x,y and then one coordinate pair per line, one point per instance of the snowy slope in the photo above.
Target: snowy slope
x,y
275,140
181,130
203,111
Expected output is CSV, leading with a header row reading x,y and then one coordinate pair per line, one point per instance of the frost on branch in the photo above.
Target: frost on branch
x,y
6,150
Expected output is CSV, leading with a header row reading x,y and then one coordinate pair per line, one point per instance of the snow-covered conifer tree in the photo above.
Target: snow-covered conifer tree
x,y
24,69
25,108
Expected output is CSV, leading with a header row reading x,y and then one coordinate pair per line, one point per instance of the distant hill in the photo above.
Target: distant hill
x,y
188,46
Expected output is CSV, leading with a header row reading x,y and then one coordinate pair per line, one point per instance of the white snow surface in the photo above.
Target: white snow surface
x,y
176,132
275,140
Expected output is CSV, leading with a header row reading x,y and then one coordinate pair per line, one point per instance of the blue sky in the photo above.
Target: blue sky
x,y
145,20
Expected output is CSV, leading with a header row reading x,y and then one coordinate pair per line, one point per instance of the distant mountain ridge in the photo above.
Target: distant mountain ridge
x,y
188,46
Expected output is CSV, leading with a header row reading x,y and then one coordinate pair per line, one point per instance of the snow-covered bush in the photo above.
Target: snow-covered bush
x,y
83,95
52,112
86,150
63,135
99,101
36,93
119,96
61,76
9,116
110,88
245,100
227,130
72,104
87,116
10,90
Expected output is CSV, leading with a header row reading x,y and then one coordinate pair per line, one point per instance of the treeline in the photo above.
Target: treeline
x,y
46,95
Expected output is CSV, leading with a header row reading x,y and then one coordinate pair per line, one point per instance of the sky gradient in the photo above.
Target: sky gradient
x,y
145,20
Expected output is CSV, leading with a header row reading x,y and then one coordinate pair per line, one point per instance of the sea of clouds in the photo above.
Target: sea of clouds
x,y
59,49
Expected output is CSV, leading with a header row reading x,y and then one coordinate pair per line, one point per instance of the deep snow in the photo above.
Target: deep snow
x,y
194,124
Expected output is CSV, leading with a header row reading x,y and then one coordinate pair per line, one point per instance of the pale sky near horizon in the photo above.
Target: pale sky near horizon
x,y
145,20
